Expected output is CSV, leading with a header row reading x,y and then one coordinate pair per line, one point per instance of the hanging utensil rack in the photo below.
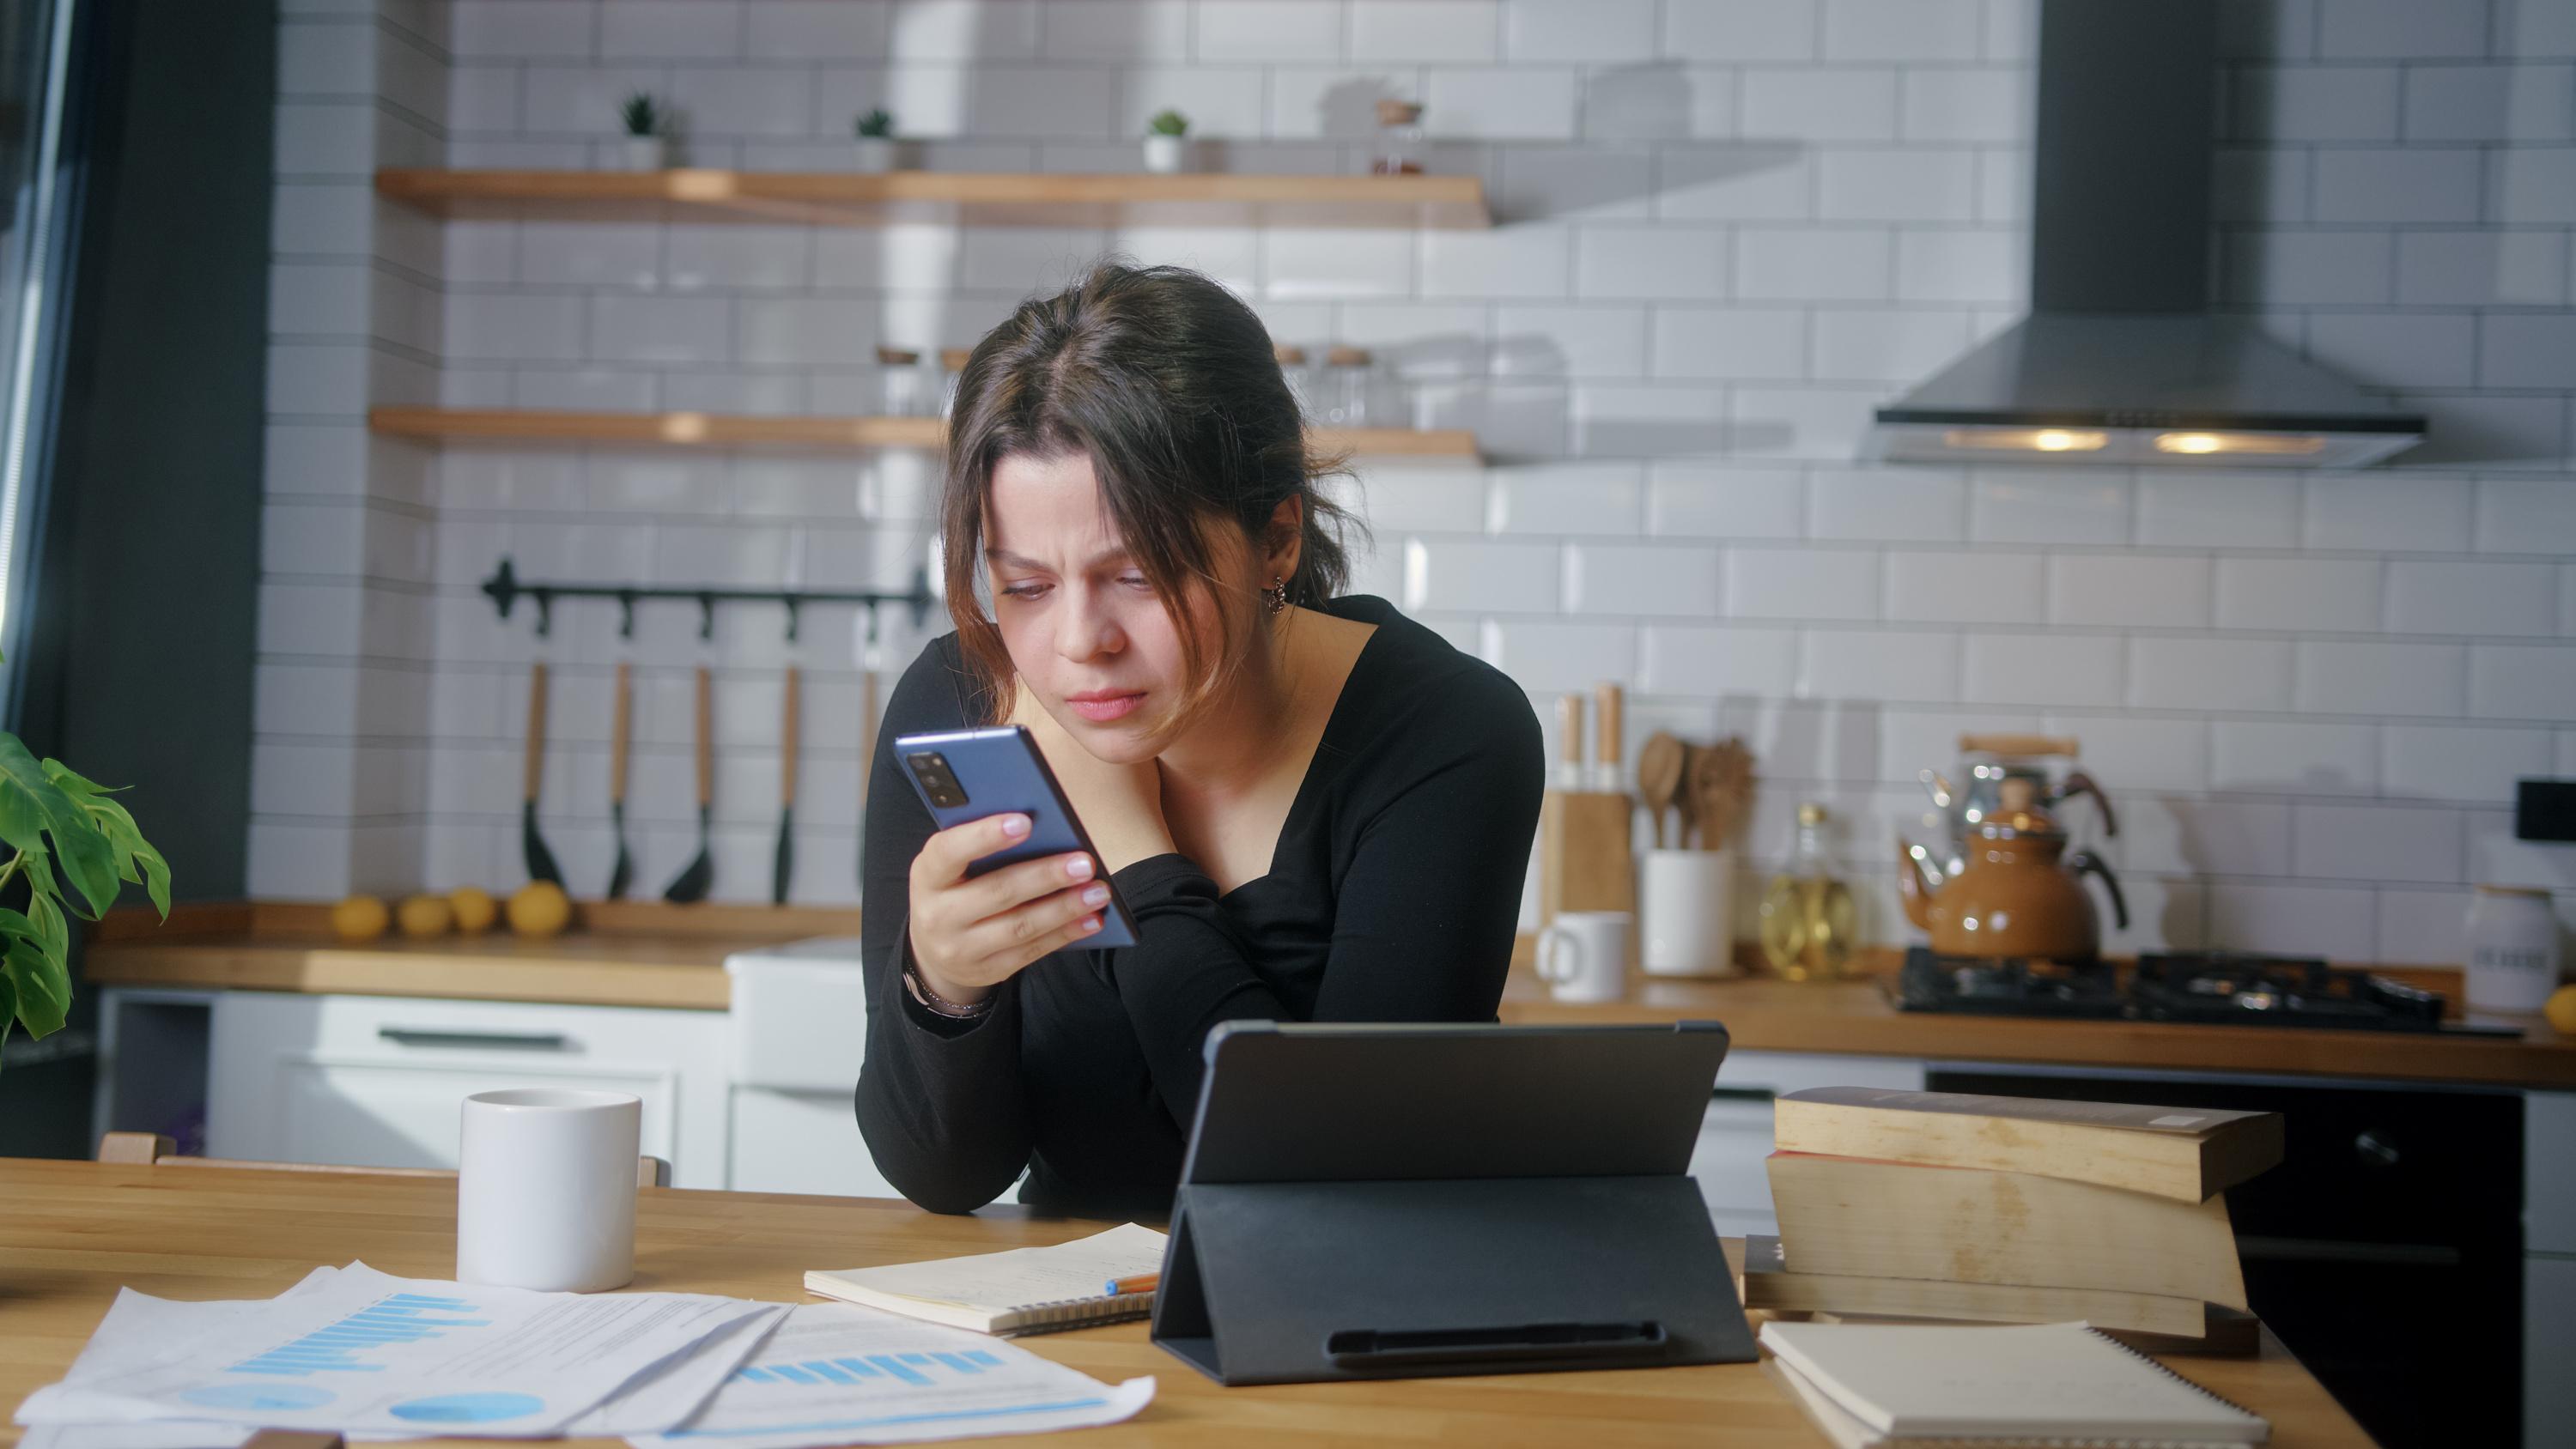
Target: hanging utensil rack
x,y
505,588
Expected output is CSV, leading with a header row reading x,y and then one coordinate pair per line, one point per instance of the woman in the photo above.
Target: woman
x,y
1316,809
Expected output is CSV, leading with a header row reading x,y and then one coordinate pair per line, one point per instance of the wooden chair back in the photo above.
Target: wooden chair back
x,y
152,1149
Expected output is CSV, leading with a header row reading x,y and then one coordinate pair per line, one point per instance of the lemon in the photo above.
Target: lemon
x,y
475,909
2561,1010
540,909
360,918
422,917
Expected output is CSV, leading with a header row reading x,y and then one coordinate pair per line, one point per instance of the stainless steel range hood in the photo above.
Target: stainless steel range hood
x,y
2121,360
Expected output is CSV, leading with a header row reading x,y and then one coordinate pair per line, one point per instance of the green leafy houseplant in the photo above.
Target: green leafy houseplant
x,y
59,827
1168,123
642,117
878,123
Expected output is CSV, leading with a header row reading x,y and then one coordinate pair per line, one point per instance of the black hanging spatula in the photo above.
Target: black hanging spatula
x,y
541,861
692,882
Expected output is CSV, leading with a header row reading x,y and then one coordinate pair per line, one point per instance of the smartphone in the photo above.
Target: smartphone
x,y
964,775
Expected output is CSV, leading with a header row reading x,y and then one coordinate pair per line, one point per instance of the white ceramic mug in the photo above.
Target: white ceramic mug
x,y
1583,955
545,1189
1686,912
2513,949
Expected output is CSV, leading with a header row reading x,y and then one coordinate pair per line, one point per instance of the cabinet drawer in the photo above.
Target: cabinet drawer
x,y
377,1081
801,1142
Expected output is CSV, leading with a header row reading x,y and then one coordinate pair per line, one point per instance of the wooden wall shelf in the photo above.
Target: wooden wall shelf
x,y
829,434
977,198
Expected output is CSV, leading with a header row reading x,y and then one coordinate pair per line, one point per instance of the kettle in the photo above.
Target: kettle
x,y
2016,893
1989,762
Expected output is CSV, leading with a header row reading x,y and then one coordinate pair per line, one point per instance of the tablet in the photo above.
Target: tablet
x,y
1355,1102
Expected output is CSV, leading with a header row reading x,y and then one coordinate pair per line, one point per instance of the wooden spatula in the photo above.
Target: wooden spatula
x,y
1659,779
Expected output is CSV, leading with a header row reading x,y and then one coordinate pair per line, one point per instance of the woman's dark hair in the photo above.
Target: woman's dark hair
x,y
1167,383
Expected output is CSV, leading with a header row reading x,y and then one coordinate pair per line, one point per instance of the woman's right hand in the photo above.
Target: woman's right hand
x,y
969,936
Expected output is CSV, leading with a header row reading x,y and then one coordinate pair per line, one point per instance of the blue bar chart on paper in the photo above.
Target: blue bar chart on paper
x,y
921,1370
341,1346
838,1374
355,1351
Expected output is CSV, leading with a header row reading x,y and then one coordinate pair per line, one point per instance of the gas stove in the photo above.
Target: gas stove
x,y
2208,988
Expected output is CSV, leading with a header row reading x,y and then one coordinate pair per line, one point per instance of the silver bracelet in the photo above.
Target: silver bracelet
x,y
936,1004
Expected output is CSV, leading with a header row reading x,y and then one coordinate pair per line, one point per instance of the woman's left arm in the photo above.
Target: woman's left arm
x,y
1422,929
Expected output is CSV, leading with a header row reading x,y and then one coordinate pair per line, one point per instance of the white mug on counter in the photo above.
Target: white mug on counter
x,y
545,1189
2513,948
1686,903
1583,955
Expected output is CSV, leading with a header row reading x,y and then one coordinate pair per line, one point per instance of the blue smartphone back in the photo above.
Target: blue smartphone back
x,y
964,775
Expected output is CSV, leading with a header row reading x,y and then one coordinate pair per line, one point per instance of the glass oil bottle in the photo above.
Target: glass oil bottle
x,y
1808,918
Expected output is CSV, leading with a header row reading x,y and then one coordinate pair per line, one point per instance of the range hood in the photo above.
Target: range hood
x,y
2121,360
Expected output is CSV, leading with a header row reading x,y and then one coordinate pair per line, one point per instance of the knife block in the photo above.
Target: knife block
x,y
1586,860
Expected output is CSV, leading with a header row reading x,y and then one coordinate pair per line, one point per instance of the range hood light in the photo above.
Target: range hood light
x,y
2026,440
2275,444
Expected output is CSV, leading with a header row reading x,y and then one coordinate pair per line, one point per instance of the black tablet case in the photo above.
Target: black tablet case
x,y
1366,1202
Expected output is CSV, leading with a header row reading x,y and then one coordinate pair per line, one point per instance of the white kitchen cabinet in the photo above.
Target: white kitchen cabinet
x,y
2548,1347
1736,1135
799,1028
376,1080
2549,1172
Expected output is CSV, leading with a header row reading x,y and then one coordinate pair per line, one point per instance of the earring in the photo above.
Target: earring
x,y
1275,597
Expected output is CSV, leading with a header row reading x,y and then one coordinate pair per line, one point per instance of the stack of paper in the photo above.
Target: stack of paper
x,y
836,1373
357,1352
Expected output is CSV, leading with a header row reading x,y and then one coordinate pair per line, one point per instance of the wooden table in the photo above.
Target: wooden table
x,y
72,1232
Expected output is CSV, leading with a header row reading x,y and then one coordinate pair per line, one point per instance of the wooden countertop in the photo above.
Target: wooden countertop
x,y
619,953
1856,1016
653,954
71,1233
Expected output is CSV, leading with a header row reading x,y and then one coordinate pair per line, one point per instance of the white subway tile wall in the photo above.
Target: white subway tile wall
x,y
1724,230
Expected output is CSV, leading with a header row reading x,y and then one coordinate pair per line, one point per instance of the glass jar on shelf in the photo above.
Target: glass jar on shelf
x,y
1348,387
1399,139
899,381
1292,370
1807,913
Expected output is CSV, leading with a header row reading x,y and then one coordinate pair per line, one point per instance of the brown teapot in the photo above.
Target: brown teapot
x,y
2018,893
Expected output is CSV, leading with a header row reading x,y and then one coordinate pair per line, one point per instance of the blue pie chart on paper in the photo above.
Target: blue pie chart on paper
x,y
467,1408
257,1396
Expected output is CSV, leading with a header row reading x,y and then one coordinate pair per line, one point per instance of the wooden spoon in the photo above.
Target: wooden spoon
x,y
1659,778
1685,809
1721,780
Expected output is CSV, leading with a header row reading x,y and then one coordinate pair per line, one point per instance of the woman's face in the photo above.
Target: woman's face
x,y
1087,633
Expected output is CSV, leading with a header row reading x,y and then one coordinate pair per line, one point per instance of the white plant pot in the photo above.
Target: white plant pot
x,y
647,153
1167,155
877,155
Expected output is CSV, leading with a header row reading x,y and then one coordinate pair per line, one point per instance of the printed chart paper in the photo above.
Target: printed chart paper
x,y
366,1353
840,1374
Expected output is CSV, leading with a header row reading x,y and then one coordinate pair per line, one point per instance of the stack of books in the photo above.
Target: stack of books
x,y
1935,1205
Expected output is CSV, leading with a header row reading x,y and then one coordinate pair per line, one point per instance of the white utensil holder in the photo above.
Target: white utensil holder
x,y
1686,906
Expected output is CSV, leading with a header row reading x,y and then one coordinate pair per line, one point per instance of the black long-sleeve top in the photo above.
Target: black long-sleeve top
x,y
1392,896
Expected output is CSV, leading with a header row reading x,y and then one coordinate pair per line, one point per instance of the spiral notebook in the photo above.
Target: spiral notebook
x,y
2044,1384
1026,1290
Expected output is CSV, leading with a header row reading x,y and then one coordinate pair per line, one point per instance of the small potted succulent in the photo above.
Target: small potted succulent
x,y
878,150
647,149
1167,143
